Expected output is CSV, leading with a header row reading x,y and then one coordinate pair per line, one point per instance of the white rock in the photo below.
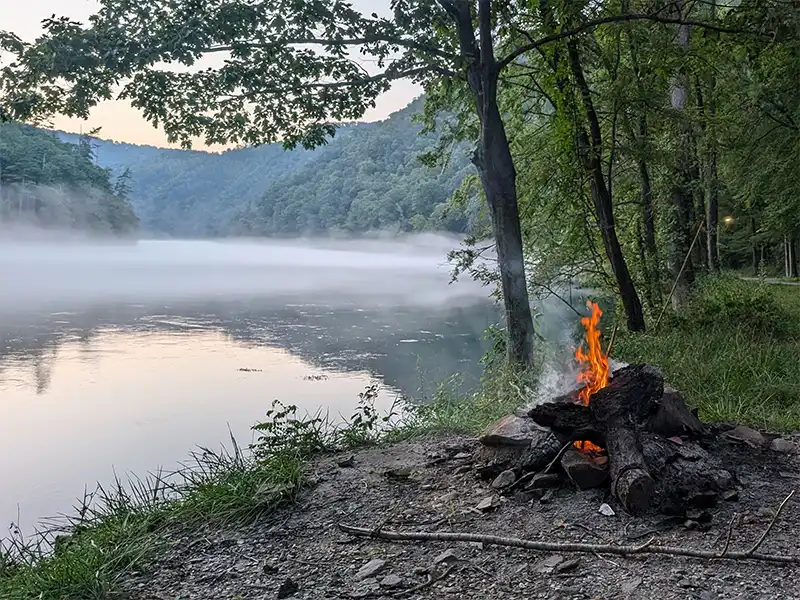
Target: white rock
x,y
606,510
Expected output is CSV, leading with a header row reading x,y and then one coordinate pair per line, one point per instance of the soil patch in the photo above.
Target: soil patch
x,y
431,485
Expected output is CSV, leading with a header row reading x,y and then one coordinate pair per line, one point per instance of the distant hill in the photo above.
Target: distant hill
x,y
48,184
368,177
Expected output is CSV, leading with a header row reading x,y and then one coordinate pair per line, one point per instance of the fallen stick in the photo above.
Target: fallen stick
x,y
496,540
771,523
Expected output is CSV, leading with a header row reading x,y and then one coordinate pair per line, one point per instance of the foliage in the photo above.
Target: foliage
x,y
47,183
729,302
728,369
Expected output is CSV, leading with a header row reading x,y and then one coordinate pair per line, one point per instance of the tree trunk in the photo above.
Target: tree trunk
x,y
498,177
495,166
754,246
590,149
679,237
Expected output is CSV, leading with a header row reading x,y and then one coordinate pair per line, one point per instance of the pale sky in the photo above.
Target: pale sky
x,y
118,120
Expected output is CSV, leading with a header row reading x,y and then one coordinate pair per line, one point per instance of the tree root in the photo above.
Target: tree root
x,y
647,548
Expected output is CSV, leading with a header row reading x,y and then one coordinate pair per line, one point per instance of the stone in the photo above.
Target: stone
x,y
370,569
746,435
287,588
568,565
548,564
543,481
463,456
347,463
698,515
547,497
584,472
505,479
392,581
448,556
730,495
511,430
606,510
487,504
462,469
783,445
630,586
400,473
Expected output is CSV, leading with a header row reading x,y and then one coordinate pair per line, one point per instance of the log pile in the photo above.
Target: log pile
x,y
652,453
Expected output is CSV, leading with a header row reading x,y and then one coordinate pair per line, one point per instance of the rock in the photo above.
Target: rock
x,y
370,569
488,503
568,565
630,586
606,510
730,495
505,479
698,515
400,473
585,472
783,445
542,481
462,469
287,588
749,436
392,581
347,463
685,583
547,497
547,565
448,556
511,430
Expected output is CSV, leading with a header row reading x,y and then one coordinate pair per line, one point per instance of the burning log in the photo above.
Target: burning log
x,y
613,419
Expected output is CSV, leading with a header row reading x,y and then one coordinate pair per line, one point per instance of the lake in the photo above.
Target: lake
x,y
118,359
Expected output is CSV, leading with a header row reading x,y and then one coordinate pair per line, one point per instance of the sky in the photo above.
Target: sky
x,y
121,122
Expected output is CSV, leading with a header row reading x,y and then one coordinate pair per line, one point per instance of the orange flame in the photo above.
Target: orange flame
x,y
595,371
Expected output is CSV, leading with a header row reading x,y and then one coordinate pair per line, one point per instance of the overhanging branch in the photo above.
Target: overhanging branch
x,y
589,25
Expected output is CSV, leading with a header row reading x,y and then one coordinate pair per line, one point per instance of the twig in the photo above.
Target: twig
x,y
730,533
771,524
495,540
611,341
678,278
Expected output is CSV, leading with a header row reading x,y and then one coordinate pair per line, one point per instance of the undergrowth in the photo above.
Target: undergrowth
x,y
733,354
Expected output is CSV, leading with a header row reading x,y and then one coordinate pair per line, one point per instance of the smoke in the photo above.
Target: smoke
x,y
409,271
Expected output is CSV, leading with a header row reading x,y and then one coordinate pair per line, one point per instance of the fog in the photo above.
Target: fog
x,y
411,270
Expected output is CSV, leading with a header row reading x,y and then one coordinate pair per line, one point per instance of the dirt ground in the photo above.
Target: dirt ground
x,y
429,485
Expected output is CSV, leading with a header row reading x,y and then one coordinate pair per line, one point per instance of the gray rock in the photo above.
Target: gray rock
x,y
542,481
630,586
462,469
749,436
370,569
287,588
448,556
505,479
606,510
511,430
583,469
783,445
567,565
392,581
730,495
548,564
487,504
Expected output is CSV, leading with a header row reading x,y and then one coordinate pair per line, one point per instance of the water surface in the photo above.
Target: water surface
x,y
123,358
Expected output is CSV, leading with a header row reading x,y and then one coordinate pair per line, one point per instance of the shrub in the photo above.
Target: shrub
x,y
727,301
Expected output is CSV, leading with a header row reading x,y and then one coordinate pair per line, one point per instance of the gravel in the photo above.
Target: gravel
x,y
301,550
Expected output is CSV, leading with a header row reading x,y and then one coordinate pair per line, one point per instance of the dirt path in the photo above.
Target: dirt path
x,y
429,486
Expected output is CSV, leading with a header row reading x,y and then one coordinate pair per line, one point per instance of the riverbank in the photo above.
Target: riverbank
x,y
241,524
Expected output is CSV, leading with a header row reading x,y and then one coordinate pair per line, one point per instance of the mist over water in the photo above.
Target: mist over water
x,y
409,271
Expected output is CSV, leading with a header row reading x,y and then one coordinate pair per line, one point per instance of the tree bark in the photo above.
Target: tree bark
x,y
495,167
679,238
590,149
793,256
754,246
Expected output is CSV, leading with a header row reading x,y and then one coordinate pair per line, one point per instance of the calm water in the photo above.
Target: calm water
x,y
120,359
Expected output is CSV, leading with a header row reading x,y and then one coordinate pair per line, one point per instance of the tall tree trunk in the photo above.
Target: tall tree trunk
x,y
712,185
590,148
754,246
679,237
793,256
495,167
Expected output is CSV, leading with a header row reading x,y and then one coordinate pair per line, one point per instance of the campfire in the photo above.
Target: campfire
x,y
622,428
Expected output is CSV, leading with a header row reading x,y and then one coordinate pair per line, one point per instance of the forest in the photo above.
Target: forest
x,y
368,177
49,184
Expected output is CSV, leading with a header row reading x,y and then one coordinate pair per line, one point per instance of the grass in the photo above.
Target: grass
x,y
734,355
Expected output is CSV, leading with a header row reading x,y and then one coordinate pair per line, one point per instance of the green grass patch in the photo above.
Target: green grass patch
x,y
734,354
